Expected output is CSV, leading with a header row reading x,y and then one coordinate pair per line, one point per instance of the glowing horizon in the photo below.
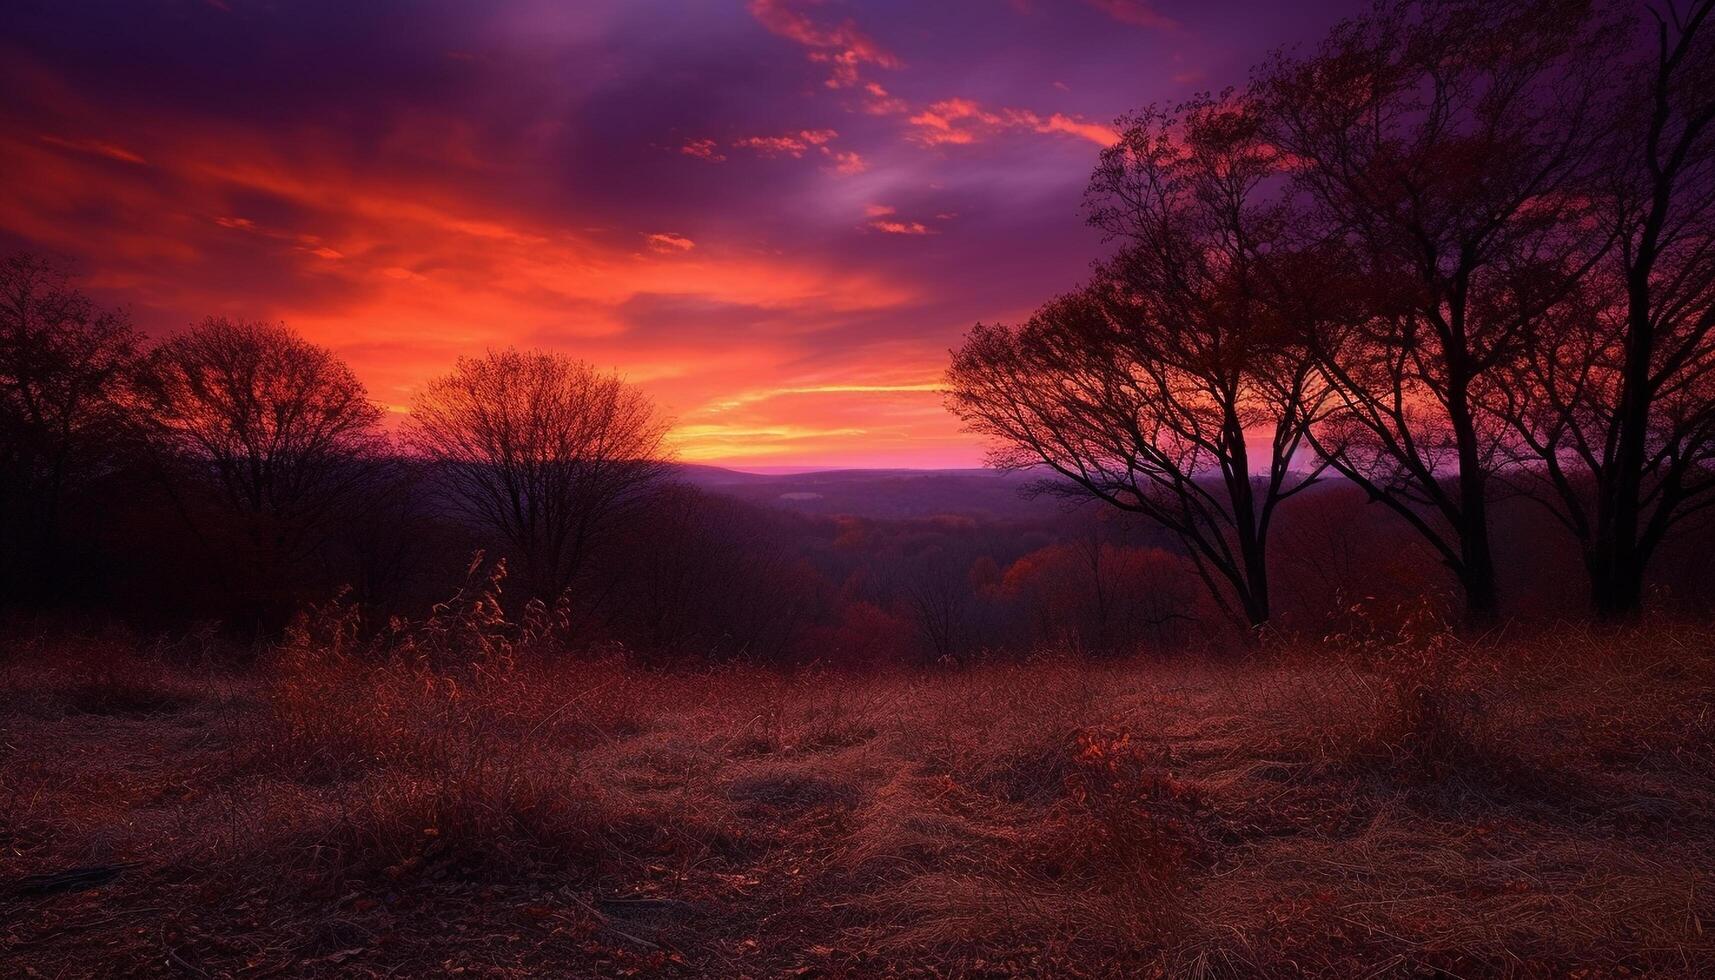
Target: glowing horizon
x,y
776,216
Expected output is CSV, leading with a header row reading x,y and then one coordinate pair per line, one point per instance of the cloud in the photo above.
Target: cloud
x,y
881,218
767,394
1135,12
824,417
1094,132
702,442
667,241
880,102
959,121
746,424
111,151
901,227
703,149
849,162
401,271
302,240
844,163
790,144
955,121
577,182
843,48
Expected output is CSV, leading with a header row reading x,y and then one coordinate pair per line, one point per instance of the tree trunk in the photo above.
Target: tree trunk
x,y
1256,595
1482,593
1476,559
1616,584
1618,592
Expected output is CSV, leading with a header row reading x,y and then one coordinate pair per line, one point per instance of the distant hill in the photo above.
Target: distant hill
x,y
883,493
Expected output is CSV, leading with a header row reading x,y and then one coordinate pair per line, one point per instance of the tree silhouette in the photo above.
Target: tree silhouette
x,y
271,427
1613,400
62,364
540,449
1446,143
1145,389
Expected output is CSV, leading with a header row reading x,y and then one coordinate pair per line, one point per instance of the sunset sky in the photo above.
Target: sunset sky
x,y
776,216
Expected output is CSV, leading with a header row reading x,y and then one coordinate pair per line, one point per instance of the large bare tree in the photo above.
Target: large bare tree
x,y
1448,144
541,449
268,425
62,364
1173,385
1613,402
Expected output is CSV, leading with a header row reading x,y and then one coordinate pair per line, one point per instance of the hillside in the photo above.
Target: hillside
x,y
1533,808
884,494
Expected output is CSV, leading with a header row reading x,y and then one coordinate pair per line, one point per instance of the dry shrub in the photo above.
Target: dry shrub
x,y
1129,830
333,716
451,692
1435,688
431,740
1129,811
105,675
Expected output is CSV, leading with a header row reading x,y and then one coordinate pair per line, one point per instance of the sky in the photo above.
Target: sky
x,y
775,216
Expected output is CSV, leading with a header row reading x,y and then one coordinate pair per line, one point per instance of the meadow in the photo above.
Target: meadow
x,y
465,798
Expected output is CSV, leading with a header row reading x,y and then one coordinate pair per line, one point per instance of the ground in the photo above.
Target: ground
x,y
1541,807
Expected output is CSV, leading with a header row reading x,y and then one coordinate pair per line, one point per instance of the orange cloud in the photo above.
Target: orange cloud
x,y
880,102
848,162
901,227
844,163
400,274
669,242
752,397
882,218
958,121
791,144
843,47
703,149
1094,132
894,421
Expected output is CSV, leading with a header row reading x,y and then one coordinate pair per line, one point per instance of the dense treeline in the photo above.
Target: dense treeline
x,y
235,473
1462,250
1457,264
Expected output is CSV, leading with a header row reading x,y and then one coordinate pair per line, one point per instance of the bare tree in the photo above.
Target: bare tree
x,y
542,450
1448,143
62,362
1146,389
272,427
937,593
1613,402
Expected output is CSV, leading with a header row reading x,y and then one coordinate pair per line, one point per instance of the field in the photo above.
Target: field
x,y
1536,806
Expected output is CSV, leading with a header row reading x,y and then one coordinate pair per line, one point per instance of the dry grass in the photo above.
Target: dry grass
x,y
1534,807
